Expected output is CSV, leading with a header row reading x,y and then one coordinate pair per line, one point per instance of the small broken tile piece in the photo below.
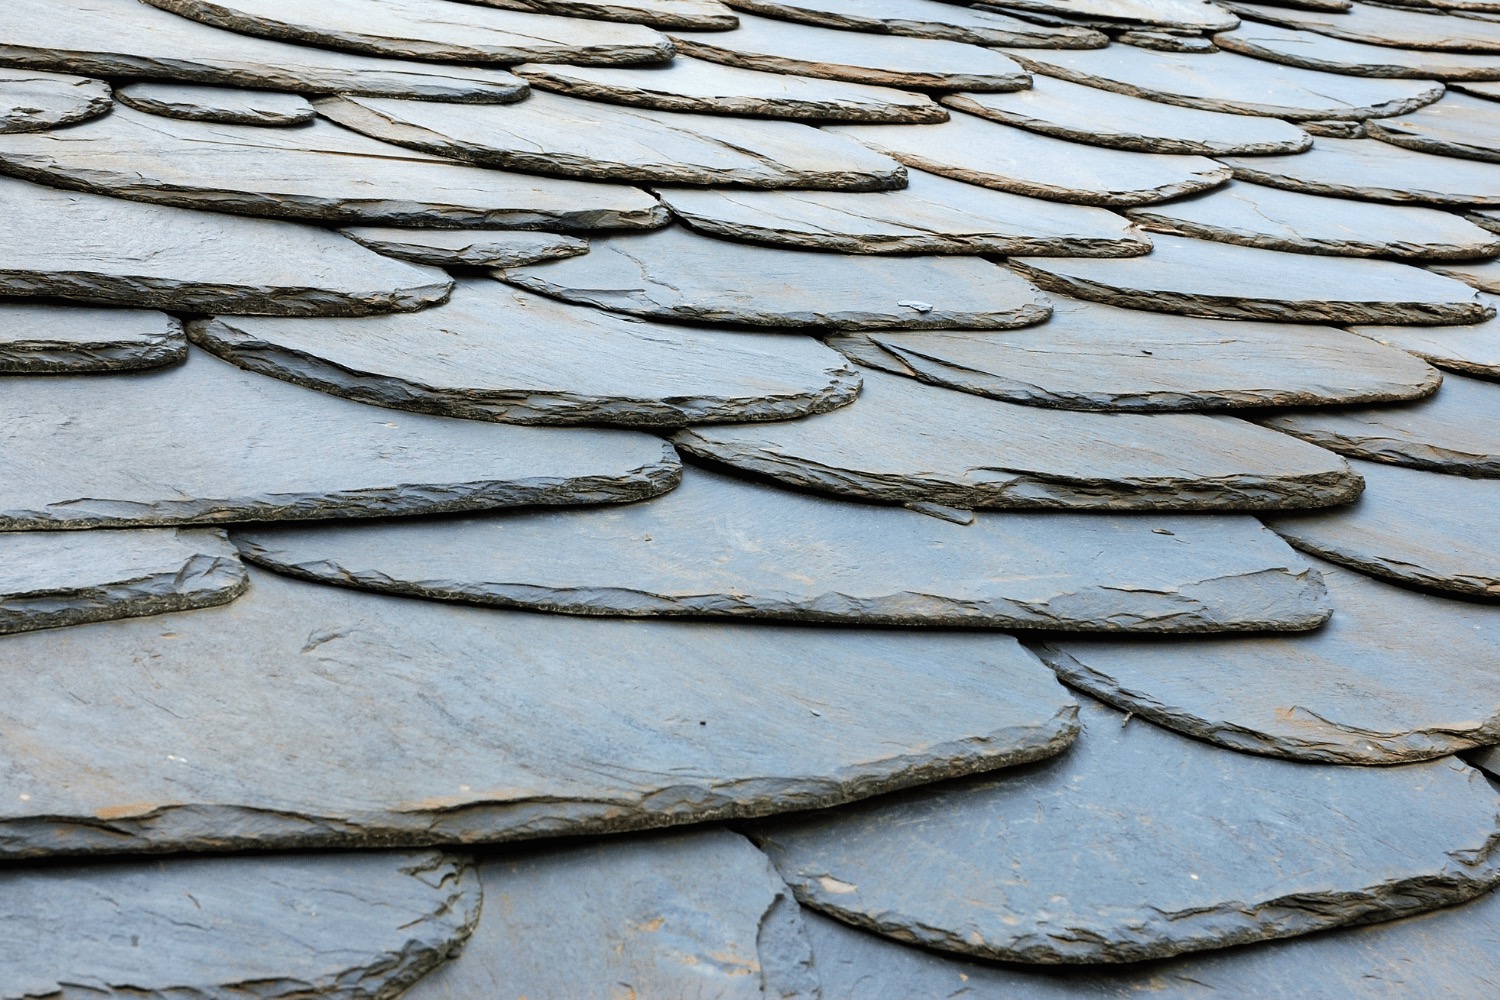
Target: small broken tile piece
x,y
1141,843
1178,15
677,274
207,442
115,252
1379,24
926,19
1374,171
723,547
1363,689
1090,356
1483,275
560,135
903,441
44,337
466,247
32,100
1336,55
1421,529
523,727
1224,281
225,105
699,15
504,354
280,927
1458,125
1471,350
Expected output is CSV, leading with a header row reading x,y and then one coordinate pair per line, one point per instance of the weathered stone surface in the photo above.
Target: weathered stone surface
x,y
1458,125
1378,24
932,214
1483,275
1277,219
1364,689
31,100
1374,171
1224,281
498,353
1424,529
431,29
925,19
56,338
990,154
1141,843
1163,41
555,134
857,56
1472,350
114,252
1228,81
688,84
699,913
1336,55
318,172
226,105
705,15
125,39
903,442
1478,89
1336,129
675,273
510,725
207,442
1091,356
1104,118
723,547
1182,15
274,927
466,247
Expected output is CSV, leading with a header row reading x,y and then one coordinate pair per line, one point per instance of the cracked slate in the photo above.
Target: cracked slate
x,y
926,19
320,171
677,274
31,100
699,913
725,547
1181,15
1471,350
497,353
1422,529
1336,55
37,338
702,15
1458,125
527,725
1091,356
235,446
932,214
1374,171
126,40
1141,843
1377,24
1483,275
115,252
280,927
226,105
1224,281
903,441
556,134
688,84
1363,689
987,153
466,247
1277,219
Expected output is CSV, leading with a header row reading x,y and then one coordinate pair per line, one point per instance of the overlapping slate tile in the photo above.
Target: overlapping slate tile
x,y
37,338
990,154
1180,15
207,442
318,172
1090,356
1379,24
31,100
309,715
1458,125
555,134
466,247
274,927
1225,281
1487,89
924,19
932,214
1165,41
724,547
1423,529
227,105
1374,171
903,441
695,85
677,274
1483,275
1472,350
699,14
1336,55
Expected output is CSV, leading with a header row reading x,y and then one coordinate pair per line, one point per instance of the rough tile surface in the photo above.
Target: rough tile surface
x,y
1336,55
1471,350
37,338
1181,15
698,14
227,105
1458,125
925,19
1380,24
466,247
31,101
1374,171
1483,275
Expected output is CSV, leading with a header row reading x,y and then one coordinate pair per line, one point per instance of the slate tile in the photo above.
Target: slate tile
x,y
705,15
1458,125
1181,15
226,105
1379,24
1141,843
1374,171
926,19
1163,41
37,338
31,100
1478,89
279,711
1471,350
466,247
1483,275
1296,47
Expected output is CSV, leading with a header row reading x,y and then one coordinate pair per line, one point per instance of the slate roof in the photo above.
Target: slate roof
x,y
780,499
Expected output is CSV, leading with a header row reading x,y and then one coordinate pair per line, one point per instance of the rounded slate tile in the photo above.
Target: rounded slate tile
x,y
226,105
1374,171
1490,90
1483,275
1471,350
1295,47
1181,15
703,15
1379,24
466,247
37,338
1458,125
31,101
926,19
1163,41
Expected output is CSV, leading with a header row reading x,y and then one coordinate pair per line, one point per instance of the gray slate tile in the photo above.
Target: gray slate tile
x,y
226,105
31,100
1378,24
1490,90
466,247
1164,41
1182,15
37,338
1296,47
704,15
1483,275
1374,171
927,19
1458,125
1471,350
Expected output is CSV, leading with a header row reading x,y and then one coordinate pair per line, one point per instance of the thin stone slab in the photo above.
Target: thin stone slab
x,y
1378,24
1469,350
56,338
1421,529
1484,274
1091,356
511,725
856,56
31,101
560,135
1163,41
207,442
989,154
677,274
1225,281
275,927
1478,89
906,442
127,40
724,547
226,105
702,15
1295,47
116,252
1180,15
932,215
1375,171
320,172
695,85
1277,219
466,247
1077,113
1458,125
926,19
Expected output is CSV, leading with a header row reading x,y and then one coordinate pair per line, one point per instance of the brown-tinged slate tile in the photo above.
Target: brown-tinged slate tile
x,y
48,337
466,247
226,105
32,100
1374,171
